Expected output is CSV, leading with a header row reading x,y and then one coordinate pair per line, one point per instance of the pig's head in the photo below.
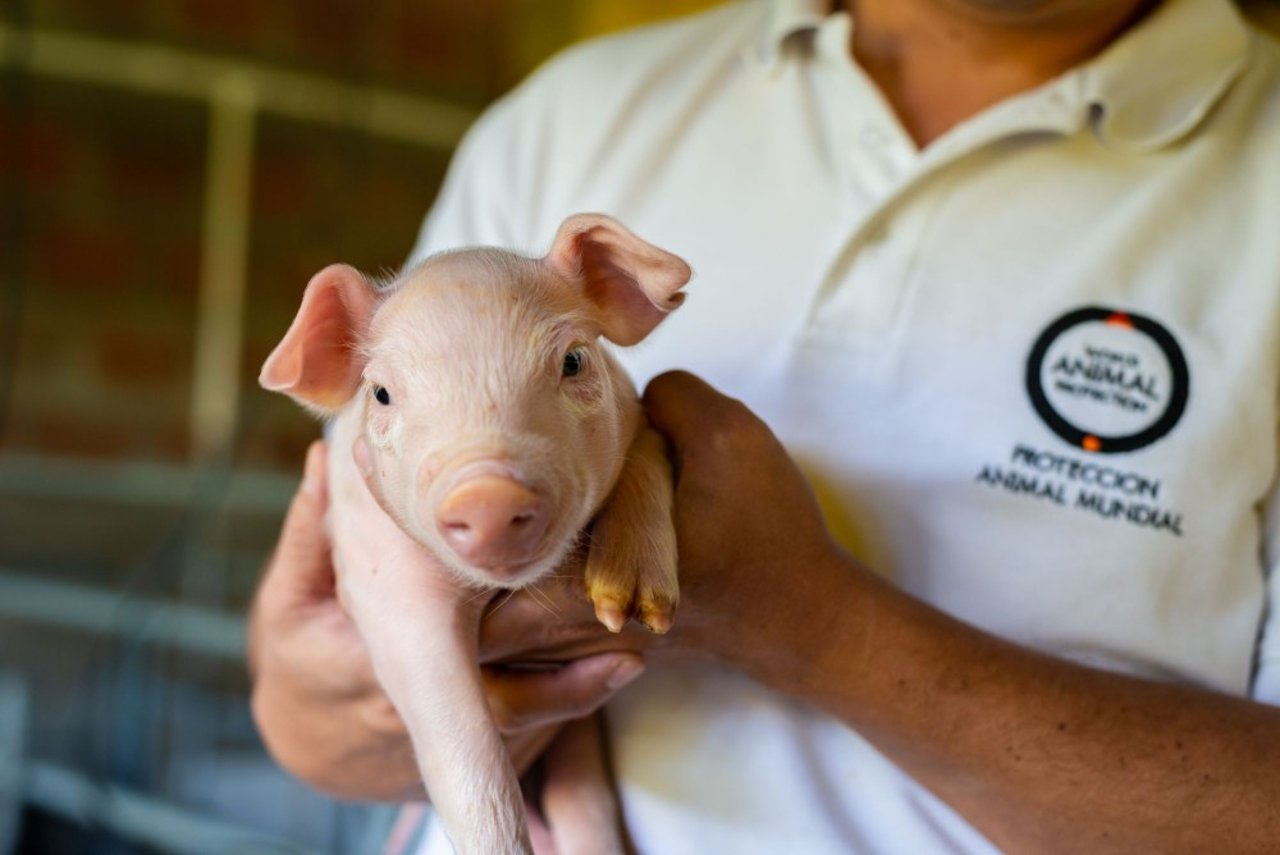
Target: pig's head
x,y
495,421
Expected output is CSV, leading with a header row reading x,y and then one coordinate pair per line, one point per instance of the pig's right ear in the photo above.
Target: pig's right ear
x,y
629,284
318,363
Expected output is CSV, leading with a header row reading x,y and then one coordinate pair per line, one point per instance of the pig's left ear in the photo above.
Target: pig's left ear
x,y
629,284
318,362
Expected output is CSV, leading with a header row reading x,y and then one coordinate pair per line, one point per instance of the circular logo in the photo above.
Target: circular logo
x,y
1107,381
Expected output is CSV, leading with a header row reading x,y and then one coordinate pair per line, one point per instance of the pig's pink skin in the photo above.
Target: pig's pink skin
x,y
470,347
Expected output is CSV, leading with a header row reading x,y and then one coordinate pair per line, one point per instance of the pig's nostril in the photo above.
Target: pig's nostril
x,y
520,520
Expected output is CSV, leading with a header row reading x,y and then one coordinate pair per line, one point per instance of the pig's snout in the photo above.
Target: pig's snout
x,y
493,522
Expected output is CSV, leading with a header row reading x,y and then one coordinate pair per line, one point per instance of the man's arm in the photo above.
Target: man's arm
x,y
1038,753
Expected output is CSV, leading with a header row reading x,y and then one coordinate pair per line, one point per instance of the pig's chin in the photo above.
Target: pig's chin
x,y
510,575
513,574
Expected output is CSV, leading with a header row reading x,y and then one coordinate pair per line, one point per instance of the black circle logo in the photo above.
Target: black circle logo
x,y
1108,381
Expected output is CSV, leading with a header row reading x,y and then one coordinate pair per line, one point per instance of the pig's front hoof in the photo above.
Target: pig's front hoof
x,y
611,612
657,616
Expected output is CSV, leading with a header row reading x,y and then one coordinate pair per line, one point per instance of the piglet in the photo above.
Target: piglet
x,y
497,426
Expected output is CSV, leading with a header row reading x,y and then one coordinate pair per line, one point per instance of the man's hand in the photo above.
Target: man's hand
x,y
745,520
747,524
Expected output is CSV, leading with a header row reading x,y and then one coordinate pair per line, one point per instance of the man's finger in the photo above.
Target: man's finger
x,y
692,414
302,564
672,401
526,699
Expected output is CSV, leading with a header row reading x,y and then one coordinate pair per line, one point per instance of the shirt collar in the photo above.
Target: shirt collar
x,y
1148,90
1158,82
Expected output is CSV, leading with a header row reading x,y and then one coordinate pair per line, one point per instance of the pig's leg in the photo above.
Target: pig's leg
x,y
578,799
428,668
632,562
462,758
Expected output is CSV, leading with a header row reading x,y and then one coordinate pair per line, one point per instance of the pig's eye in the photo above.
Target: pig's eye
x,y
574,361
381,395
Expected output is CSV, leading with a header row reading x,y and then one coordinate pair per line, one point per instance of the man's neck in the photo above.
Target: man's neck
x,y
939,62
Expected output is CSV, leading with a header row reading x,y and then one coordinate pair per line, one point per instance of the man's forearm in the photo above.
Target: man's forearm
x,y
1040,754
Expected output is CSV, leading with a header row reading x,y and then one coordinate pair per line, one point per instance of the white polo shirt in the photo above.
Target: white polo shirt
x,y
1032,370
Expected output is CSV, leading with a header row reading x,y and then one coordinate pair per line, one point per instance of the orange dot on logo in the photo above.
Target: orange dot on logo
x,y
1120,319
1091,443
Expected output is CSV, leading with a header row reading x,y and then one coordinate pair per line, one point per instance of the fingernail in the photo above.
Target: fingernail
x,y
624,672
